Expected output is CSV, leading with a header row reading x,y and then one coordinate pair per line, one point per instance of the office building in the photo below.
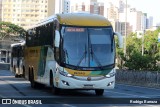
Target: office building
x,y
26,13
62,6
89,6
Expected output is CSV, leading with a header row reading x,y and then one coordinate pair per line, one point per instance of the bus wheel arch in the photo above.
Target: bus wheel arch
x,y
54,89
51,78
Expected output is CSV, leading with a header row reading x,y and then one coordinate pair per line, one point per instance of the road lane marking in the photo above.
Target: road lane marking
x,y
154,95
25,105
127,94
68,105
20,92
2,96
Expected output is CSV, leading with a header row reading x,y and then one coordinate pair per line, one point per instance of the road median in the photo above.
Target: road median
x,y
138,78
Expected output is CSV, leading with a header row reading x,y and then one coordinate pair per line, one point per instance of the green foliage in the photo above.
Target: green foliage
x,y
134,59
138,62
9,29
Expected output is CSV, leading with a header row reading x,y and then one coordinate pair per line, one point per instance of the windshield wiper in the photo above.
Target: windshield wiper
x,y
66,56
96,59
83,56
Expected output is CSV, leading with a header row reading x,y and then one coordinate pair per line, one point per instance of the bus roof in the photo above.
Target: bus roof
x,y
83,19
76,19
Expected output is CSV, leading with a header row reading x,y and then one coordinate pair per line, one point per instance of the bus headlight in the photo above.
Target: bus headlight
x,y
65,73
111,74
69,75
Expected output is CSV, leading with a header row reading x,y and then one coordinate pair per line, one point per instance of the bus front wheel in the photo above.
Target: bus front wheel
x,y
99,92
54,89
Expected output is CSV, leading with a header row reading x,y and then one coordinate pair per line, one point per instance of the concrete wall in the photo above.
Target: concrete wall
x,y
147,78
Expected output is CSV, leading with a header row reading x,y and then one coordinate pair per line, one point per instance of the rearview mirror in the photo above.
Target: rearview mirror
x,y
120,39
31,32
57,38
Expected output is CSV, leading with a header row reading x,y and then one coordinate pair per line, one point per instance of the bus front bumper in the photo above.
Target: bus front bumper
x,y
72,83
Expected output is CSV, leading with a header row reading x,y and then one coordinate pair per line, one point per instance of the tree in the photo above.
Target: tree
x,y
152,47
8,29
134,59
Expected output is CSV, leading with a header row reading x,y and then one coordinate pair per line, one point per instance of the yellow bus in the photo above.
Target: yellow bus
x,y
71,51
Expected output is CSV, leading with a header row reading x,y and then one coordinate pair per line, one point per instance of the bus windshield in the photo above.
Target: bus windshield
x,y
87,47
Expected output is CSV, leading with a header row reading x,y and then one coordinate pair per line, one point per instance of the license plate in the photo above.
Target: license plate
x,y
88,86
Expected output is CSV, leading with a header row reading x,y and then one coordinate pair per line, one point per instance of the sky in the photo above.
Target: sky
x,y
151,7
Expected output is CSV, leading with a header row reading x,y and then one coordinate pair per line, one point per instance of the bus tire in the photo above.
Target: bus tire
x,y
29,73
23,70
33,83
54,89
99,92
16,76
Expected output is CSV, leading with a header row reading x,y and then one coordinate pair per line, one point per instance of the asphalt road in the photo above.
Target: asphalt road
x,y
18,89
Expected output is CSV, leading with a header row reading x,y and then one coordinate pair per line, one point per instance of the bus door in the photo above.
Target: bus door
x,y
42,62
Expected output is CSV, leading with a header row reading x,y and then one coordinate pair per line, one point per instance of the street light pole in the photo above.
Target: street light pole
x,y
143,42
125,30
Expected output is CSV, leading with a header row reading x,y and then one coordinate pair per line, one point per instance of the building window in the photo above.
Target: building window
x,y
22,24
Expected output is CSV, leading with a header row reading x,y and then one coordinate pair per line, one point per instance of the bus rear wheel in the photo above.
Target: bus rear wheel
x,y
33,83
99,92
23,71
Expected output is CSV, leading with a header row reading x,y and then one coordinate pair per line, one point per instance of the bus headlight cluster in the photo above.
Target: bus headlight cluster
x,y
65,82
111,74
65,73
